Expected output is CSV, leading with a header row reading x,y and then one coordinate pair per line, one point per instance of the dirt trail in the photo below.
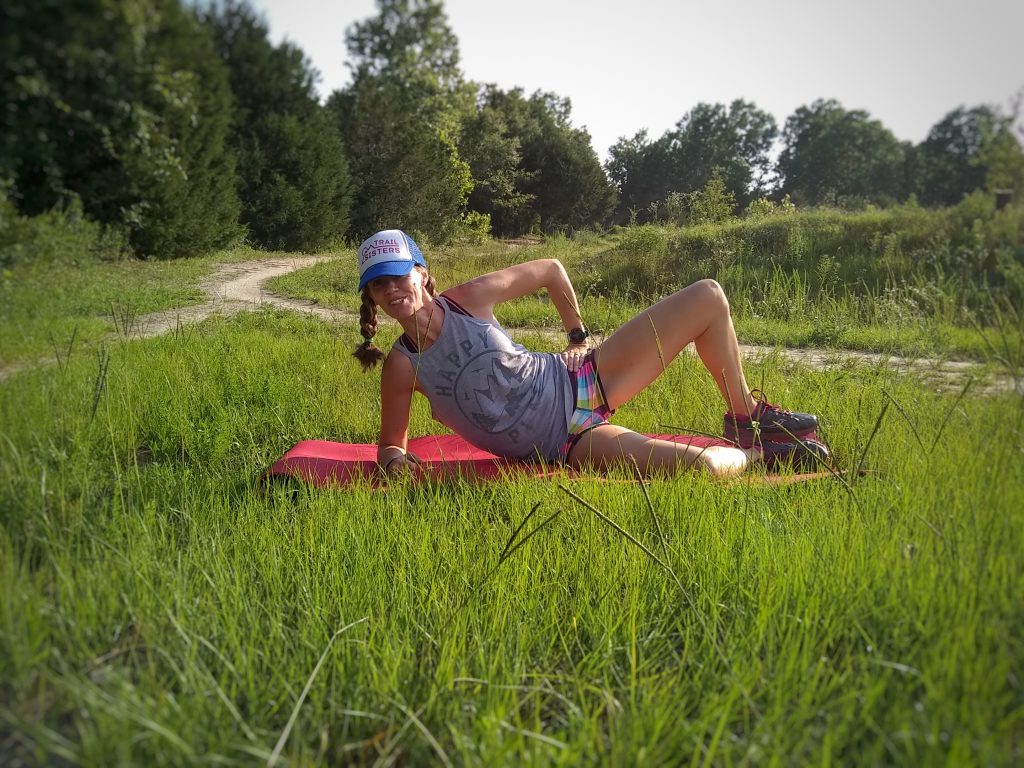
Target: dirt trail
x,y
234,288
238,287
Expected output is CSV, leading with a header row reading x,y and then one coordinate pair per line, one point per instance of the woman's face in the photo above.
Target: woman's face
x,y
399,297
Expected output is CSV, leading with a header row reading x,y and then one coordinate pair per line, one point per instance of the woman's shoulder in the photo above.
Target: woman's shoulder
x,y
462,300
451,302
397,375
397,362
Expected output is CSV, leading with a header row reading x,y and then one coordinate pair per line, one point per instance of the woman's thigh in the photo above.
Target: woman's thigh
x,y
632,357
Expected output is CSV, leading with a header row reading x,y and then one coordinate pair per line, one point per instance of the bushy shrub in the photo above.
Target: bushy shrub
x,y
59,234
475,227
713,203
939,260
763,207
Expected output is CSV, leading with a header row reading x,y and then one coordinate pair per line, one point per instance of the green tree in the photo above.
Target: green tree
x,y
493,154
968,149
408,41
1003,159
832,155
570,186
734,140
293,179
562,176
407,173
714,203
640,169
123,104
400,119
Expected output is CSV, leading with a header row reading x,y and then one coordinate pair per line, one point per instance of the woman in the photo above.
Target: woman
x,y
554,407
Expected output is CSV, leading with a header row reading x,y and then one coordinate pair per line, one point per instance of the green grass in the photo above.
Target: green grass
x,y
924,340
49,306
962,255
160,607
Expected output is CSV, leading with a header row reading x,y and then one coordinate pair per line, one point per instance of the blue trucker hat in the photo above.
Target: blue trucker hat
x,y
390,252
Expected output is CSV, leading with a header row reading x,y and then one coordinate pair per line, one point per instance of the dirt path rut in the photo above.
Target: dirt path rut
x,y
236,288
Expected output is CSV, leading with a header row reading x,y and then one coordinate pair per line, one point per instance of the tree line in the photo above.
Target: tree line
x,y
829,155
187,129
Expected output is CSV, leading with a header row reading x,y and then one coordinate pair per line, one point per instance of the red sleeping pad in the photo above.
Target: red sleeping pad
x,y
323,463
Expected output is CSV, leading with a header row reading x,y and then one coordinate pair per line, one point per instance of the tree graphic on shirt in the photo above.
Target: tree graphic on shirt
x,y
505,393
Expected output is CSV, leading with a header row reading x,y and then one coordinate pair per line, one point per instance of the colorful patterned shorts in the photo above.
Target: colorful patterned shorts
x,y
591,403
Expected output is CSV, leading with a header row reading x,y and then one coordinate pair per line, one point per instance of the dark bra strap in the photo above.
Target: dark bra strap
x,y
410,344
456,307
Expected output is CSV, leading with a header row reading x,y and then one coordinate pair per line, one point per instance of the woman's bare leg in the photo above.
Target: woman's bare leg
x,y
632,357
610,445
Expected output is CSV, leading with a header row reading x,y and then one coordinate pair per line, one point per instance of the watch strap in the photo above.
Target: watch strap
x,y
577,335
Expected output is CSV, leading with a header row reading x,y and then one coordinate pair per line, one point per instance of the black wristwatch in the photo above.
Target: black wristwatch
x,y
578,336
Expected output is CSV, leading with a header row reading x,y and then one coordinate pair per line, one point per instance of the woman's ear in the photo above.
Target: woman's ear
x,y
428,282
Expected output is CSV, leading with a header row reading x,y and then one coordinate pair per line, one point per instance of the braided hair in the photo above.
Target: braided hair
x,y
369,354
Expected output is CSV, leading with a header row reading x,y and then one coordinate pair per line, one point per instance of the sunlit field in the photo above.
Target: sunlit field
x,y
163,606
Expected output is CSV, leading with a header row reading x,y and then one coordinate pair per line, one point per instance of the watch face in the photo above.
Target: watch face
x,y
577,336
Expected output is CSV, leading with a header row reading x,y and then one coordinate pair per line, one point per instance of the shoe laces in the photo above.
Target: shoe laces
x,y
763,406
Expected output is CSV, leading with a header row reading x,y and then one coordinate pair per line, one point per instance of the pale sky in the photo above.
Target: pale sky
x,y
645,63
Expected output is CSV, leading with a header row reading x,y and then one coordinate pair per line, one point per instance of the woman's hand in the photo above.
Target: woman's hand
x,y
573,356
404,464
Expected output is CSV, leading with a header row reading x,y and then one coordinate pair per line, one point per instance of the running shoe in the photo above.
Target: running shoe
x,y
807,455
768,423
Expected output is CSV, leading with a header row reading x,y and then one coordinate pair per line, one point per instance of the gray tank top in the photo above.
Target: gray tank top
x,y
495,393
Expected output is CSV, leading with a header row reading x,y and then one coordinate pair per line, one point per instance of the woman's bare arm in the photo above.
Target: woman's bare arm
x,y
480,295
396,387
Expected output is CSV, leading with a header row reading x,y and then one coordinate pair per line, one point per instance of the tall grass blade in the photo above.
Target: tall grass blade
x,y
949,413
506,553
984,337
100,384
622,531
426,733
827,465
910,423
650,506
874,431
517,530
305,692
62,362
657,341
521,543
712,637
691,431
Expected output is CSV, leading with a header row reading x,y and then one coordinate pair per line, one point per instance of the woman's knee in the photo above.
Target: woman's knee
x,y
711,292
